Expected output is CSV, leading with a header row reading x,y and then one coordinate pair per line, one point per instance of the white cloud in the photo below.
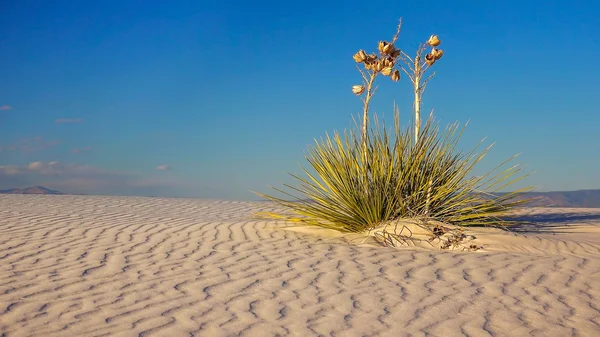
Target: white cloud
x,y
35,165
10,170
163,167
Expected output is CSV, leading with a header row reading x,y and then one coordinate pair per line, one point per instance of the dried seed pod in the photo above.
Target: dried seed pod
x,y
358,89
378,66
396,75
438,231
388,62
371,58
361,56
381,46
437,53
388,48
434,41
387,71
395,53
429,59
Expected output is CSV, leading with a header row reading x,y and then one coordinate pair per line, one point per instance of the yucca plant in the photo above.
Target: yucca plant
x,y
364,181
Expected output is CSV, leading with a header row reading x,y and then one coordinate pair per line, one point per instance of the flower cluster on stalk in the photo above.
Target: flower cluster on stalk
x,y
383,63
435,53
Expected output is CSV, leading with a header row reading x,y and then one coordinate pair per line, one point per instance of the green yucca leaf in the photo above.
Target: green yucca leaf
x,y
399,180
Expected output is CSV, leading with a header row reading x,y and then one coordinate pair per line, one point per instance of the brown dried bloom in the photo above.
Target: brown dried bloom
x,y
434,41
389,48
361,56
429,59
386,47
387,71
388,62
435,55
371,58
358,89
371,62
396,75
378,65
381,45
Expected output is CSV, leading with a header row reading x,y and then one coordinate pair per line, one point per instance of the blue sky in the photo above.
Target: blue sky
x,y
214,99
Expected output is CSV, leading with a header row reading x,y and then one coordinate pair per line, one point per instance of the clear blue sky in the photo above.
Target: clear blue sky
x,y
216,98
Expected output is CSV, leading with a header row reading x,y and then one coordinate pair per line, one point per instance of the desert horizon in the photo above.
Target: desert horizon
x,y
585,198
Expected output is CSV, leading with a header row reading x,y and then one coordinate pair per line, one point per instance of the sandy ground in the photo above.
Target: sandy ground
x,y
124,266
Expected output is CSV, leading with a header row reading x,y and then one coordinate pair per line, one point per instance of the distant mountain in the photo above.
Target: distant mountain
x,y
581,198
31,190
575,199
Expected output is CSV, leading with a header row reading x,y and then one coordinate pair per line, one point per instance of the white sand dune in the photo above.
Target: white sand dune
x,y
125,266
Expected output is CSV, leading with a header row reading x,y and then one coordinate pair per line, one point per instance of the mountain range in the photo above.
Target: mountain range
x,y
580,198
32,190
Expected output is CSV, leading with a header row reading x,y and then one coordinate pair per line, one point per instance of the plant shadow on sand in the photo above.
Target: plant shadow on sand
x,y
553,222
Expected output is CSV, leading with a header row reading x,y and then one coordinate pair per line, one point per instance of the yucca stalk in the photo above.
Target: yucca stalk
x,y
416,69
374,64
369,81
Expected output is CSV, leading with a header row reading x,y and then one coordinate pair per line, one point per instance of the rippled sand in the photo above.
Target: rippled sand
x,y
126,266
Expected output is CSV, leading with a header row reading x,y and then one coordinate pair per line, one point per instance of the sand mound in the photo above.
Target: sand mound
x,y
124,266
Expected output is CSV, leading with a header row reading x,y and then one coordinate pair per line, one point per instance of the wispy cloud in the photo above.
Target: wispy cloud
x,y
29,145
68,120
81,149
54,168
5,107
75,178
163,167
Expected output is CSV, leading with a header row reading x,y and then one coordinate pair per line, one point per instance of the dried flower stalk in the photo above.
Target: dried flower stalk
x,y
375,64
416,68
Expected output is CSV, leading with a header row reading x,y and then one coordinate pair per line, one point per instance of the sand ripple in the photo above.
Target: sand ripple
x,y
124,266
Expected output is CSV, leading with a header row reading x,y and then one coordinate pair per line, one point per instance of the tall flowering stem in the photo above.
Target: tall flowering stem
x,y
374,64
369,89
416,68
